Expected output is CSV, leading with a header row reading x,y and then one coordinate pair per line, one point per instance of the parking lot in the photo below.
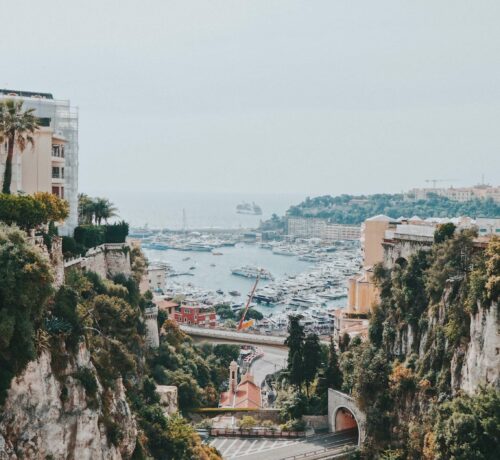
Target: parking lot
x,y
276,449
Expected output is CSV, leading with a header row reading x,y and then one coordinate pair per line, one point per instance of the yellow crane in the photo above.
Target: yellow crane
x,y
242,324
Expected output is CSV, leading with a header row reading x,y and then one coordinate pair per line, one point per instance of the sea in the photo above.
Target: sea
x,y
179,210
213,272
192,211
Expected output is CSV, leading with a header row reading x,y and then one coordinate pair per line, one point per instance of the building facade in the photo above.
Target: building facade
x,y
51,165
462,194
243,395
197,315
312,227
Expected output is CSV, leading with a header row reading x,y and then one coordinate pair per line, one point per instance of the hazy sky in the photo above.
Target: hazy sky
x,y
304,96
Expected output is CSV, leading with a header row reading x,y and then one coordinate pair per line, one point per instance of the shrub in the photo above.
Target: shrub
x,y
89,236
294,425
29,212
116,233
71,248
247,422
25,287
87,379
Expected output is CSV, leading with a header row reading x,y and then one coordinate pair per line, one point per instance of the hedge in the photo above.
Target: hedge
x,y
90,236
116,233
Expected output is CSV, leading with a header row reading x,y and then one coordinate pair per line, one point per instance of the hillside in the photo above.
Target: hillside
x,y
350,209
428,378
74,365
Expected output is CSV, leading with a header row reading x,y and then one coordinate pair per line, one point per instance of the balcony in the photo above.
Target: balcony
x,y
58,152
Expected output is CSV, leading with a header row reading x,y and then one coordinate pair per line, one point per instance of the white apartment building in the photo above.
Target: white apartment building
x,y
51,165
305,227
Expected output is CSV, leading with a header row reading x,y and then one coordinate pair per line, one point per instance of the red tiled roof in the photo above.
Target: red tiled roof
x,y
165,304
247,395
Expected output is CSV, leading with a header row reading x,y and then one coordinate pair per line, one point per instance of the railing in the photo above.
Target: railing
x,y
255,432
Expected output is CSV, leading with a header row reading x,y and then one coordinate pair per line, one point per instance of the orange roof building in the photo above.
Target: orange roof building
x,y
245,394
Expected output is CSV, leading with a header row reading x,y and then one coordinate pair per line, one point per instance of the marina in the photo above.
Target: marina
x,y
296,277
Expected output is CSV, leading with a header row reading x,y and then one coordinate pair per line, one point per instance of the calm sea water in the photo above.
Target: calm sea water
x,y
219,276
202,210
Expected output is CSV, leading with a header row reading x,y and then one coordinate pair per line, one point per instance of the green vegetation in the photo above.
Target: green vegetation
x,y
431,298
17,127
107,317
25,290
466,427
94,210
89,236
350,209
225,312
31,211
199,372
310,365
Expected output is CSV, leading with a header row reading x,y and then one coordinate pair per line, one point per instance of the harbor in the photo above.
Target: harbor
x,y
303,277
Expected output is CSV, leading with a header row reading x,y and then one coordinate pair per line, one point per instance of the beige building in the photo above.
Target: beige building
x,y
462,194
372,237
362,294
313,227
51,164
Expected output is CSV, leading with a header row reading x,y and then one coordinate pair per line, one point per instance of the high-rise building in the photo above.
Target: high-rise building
x,y
51,165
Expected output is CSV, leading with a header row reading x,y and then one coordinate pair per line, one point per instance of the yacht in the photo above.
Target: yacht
x,y
248,271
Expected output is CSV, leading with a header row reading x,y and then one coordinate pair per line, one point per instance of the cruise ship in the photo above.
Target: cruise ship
x,y
247,208
251,272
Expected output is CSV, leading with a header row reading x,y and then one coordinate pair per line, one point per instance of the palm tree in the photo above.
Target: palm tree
x,y
17,127
85,209
103,209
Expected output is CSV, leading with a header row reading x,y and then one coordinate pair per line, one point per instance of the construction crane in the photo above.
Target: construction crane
x,y
435,181
249,301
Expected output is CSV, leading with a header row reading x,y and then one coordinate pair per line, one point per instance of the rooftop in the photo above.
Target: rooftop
x,y
16,92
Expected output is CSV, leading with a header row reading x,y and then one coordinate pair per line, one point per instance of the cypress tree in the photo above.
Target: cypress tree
x,y
311,359
333,375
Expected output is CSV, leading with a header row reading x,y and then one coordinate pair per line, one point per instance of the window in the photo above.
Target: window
x,y
55,172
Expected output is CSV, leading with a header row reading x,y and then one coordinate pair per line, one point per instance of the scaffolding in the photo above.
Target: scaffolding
x,y
62,118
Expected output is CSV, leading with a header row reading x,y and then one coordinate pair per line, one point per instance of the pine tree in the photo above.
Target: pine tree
x,y
333,374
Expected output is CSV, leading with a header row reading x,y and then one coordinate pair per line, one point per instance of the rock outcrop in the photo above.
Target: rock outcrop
x,y
481,363
52,416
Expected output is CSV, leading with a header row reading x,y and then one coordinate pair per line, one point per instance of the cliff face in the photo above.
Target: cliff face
x,y
481,363
49,416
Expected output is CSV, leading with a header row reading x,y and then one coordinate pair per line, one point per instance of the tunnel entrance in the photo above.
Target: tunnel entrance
x,y
346,421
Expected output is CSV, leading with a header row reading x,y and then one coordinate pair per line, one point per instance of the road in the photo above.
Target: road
x,y
273,360
277,449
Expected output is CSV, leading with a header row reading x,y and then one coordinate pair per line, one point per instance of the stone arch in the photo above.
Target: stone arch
x,y
344,413
344,419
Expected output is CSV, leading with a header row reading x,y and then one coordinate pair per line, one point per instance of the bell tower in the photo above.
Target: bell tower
x,y
233,376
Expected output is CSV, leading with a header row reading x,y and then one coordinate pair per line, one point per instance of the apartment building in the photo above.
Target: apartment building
x,y
197,315
312,227
51,164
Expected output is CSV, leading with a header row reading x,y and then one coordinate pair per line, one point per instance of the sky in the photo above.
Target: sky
x,y
267,96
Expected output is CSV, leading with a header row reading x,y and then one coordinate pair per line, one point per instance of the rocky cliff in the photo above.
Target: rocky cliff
x,y
53,416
